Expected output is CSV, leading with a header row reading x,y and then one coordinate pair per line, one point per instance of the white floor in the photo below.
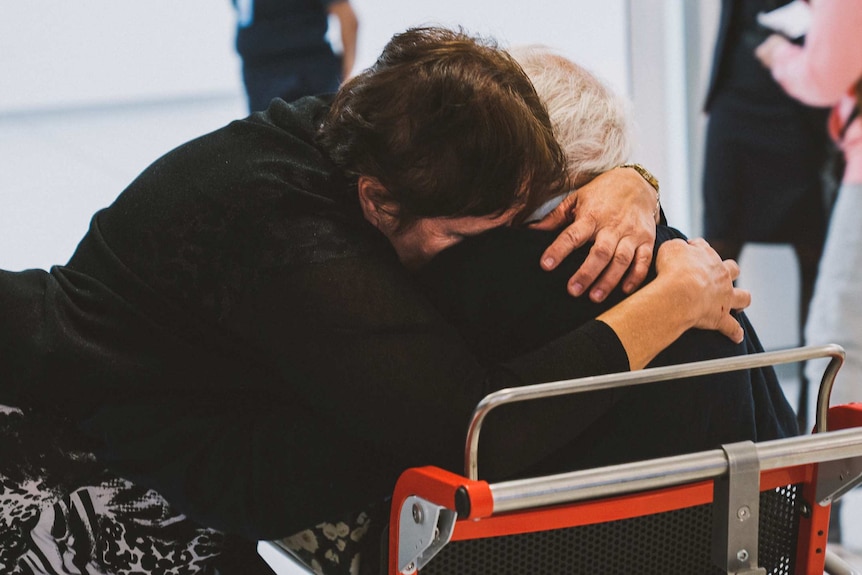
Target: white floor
x,y
58,168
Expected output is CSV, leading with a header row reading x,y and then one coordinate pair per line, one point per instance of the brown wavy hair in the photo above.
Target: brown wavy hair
x,y
449,124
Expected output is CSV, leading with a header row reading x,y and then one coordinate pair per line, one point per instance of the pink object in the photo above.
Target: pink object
x,y
824,71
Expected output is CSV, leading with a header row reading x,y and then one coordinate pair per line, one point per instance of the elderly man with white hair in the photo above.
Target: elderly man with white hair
x,y
489,287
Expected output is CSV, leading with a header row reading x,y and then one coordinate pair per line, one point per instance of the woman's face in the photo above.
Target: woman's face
x,y
427,237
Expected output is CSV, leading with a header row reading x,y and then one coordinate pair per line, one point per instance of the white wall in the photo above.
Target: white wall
x,y
593,33
61,54
659,94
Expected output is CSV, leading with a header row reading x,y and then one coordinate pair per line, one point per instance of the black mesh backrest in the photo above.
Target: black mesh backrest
x,y
674,542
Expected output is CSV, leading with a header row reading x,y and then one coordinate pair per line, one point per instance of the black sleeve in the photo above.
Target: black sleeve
x,y
363,346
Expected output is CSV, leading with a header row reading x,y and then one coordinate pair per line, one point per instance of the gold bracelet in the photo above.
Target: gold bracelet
x,y
651,180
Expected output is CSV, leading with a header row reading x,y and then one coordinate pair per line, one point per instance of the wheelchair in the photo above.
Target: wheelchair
x,y
746,508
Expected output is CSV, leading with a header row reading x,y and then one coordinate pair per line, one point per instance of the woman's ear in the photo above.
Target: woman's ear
x,y
376,204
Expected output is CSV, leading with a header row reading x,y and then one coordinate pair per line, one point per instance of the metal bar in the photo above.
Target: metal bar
x,y
736,511
836,565
651,375
824,393
668,471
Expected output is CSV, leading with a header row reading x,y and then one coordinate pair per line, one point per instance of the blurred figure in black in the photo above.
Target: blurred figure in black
x,y
284,50
765,155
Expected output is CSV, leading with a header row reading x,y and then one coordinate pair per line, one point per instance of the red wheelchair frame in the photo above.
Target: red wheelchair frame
x,y
745,508
436,515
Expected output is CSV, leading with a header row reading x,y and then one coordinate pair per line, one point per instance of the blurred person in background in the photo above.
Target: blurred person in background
x,y
764,156
827,71
285,52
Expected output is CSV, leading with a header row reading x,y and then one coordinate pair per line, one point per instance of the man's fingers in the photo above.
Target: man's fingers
x,y
553,221
731,329
732,268
741,298
728,325
569,240
558,217
619,263
594,265
639,269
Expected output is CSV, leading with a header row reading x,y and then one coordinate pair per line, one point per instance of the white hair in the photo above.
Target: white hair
x,y
591,122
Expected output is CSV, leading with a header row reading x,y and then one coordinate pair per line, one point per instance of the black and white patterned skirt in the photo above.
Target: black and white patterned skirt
x,y
62,513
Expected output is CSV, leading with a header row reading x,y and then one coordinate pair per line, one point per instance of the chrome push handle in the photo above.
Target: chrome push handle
x,y
651,375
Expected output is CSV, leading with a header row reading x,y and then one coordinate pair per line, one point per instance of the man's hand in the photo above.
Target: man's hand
x,y
617,211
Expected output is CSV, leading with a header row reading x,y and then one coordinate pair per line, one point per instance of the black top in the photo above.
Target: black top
x,y
735,68
765,151
505,306
232,333
280,28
